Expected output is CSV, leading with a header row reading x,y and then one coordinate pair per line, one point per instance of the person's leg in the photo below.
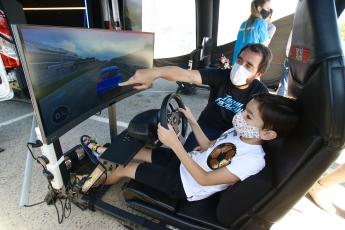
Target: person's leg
x,y
283,84
335,177
317,190
120,172
165,179
144,154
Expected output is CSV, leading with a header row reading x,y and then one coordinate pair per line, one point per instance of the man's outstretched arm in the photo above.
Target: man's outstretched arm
x,y
143,78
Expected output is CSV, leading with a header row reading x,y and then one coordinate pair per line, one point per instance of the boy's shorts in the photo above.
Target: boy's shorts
x,y
163,174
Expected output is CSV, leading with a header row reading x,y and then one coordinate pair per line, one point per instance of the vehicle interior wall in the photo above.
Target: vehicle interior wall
x,y
76,17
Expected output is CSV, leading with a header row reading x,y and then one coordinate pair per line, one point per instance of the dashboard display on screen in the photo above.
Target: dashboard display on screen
x,y
72,72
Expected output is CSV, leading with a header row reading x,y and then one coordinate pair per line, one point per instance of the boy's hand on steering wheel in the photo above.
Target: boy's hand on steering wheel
x,y
142,79
167,136
188,114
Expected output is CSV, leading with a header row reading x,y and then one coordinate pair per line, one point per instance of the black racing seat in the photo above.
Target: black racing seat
x,y
317,80
215,212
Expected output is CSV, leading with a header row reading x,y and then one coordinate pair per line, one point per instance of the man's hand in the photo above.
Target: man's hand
x,y
167,136
142,79
188,114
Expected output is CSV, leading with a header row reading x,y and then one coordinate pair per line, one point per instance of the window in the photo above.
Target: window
x,y
174,25
233,13
341,26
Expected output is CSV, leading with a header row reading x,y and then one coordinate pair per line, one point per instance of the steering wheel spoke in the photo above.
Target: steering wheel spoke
x,y
172,108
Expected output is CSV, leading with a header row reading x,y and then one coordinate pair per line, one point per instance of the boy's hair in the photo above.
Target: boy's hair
x,y
277,112
265,53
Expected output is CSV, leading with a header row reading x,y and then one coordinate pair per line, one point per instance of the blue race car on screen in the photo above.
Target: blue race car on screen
x,y
109,79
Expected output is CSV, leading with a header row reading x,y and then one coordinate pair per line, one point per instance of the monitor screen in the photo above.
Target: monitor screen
x,y
72,73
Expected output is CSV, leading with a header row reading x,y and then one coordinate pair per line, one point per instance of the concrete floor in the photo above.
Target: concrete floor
x,y
15,124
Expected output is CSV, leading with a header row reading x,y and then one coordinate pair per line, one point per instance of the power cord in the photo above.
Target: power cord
x,y
30,145
31,205
65,207
52,195
65,204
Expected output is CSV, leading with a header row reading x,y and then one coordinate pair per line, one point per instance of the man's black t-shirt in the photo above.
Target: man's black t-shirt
x,y
225,99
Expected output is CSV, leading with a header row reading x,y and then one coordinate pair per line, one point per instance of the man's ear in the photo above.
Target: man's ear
x,y
268,134
258,75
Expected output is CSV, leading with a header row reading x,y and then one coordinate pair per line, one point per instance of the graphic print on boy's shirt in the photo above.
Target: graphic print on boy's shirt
x,y
221,156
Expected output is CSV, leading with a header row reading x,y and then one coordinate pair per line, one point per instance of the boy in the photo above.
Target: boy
x,y
234,156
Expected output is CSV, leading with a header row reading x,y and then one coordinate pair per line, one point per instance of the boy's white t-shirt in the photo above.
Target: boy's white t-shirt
x,y
248,160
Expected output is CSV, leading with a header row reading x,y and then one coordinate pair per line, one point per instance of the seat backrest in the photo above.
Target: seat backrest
x,y
317,81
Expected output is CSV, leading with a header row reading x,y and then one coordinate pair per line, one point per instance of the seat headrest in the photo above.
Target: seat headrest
x,y
317,76
312,44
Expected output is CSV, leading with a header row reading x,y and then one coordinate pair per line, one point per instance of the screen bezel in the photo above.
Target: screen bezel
x,y
54,136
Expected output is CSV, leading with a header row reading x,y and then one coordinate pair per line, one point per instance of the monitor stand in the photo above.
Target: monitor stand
x,y
112,122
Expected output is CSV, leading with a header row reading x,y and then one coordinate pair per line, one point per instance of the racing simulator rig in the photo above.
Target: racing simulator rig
x,y
294,163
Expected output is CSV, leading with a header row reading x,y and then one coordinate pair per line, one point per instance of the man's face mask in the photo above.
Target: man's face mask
x,y
264,13
243,129
239,75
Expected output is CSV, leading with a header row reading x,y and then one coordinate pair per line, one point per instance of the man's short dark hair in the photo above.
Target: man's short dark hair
x,y
277,112
265,53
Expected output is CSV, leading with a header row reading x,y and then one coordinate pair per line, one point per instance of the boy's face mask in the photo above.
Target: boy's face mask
x,y
243,129
239,75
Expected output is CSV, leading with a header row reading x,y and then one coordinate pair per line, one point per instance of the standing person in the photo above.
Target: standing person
x,y
230,89
283,84
254,29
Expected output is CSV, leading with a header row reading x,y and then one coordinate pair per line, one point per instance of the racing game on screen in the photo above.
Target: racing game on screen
x,y
73,71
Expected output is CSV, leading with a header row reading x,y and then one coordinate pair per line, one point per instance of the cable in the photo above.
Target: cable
x,y
57,211
28,146
67,207
31,205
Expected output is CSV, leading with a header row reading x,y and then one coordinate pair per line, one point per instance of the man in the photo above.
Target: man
x,y
230,89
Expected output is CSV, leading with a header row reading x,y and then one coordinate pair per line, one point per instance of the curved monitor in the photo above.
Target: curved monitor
x,y
72,73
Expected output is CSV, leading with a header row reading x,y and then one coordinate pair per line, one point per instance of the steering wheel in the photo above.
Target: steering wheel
x,y
169,114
